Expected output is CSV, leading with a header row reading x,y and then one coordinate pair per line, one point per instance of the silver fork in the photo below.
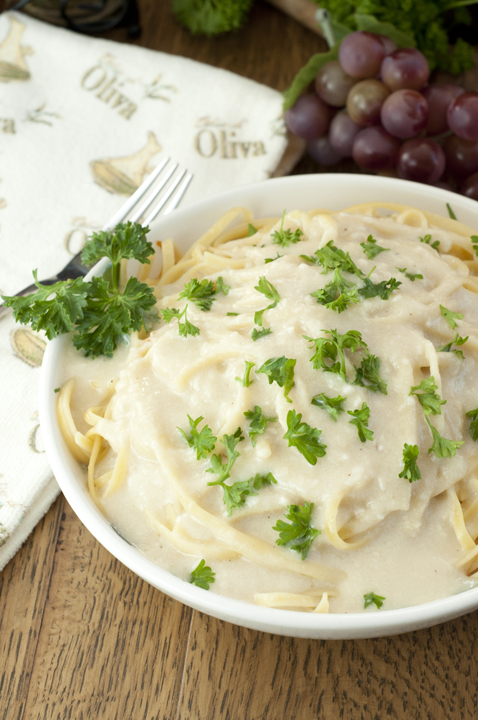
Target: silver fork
x,y
133,209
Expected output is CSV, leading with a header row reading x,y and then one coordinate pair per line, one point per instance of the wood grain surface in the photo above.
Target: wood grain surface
x,y
82,638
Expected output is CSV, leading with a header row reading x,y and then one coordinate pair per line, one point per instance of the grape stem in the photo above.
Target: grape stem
x,y
323,18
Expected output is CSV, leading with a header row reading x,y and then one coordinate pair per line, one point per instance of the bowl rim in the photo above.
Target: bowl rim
x,y
273,620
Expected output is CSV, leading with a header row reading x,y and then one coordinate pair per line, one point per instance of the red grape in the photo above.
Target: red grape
x,y
439,97
405,68
361,54
342,133
404,113
332,84
422,160
365,100
461,156
309,118
375,149
322,151
470,187
388,44
462,116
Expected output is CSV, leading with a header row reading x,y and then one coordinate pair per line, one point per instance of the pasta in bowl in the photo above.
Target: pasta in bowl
x,y
298,432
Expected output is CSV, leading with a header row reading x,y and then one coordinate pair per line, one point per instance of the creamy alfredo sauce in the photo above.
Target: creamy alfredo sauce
x,y
411,550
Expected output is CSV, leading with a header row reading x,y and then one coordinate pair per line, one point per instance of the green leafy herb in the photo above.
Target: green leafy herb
x,y
126,241
202,441
222,287
331,405
217,465
473,414
251,230
382,289
185,328
370,598
442,447
201,293
332,257
299,534
410,471
474,240
371,249
202,576
368,374
360,418
258,422
338,294
284,238
304,437
257,334
410,276
211,17
450,211
231,314
457,341
329,352
57,390
281,371
428,241
269,260
245,380
235,495
450,316
267,289
427,397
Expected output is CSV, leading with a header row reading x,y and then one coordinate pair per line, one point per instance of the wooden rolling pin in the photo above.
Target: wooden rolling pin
x,y
301,10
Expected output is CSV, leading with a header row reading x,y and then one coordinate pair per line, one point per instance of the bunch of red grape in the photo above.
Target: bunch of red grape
x,y
374,104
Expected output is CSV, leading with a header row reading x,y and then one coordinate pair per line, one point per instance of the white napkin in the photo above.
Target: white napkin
x,y
82,122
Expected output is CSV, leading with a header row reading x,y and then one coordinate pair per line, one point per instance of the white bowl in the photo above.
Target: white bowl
x,y
332,191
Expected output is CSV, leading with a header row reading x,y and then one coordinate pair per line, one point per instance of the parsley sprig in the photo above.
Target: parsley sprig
x,y
304,437
185,328
258,422
203,441
299,534
431,403
284,238
202,576
332,257
427,239
245,380
371,249
331,405
338,294
457,341
223,469
97,311
281,371
410,471
371,597
410,276
235,495
360,418
473,414
382,289
269,291
450,316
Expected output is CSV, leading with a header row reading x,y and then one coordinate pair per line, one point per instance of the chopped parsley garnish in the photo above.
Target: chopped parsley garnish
x,y
251,230
269,260
331,257
185,328
235,495
360,419
100,314
257,334
410,471
427,397
441,446
332,405
222,287
281,371
338,294
368,374
202,441
371,249
450,316
57,390
231,314
428,241
474,240
258,422
217,465
267,289
450,211
201,293
382,289
473,414
284,238
304,437
245,379
370,598
410,276
299,534
457,341
202,576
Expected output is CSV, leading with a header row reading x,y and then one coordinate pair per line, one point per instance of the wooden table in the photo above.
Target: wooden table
x,y
82,637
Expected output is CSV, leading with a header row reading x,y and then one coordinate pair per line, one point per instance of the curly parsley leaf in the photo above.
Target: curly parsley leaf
x,y
410,276
427,397
360,418
299,534
281,371
257,334
370,598
442,447
331,257
338,294
245,381
371,249
368,374
329,352
284,238
304,437
428,241
410,471
258,422
223,469
331,405
382,289
126,241
209,17
473,414
185,328
235,495
457,341
201,293
202,576
450,316
202,441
